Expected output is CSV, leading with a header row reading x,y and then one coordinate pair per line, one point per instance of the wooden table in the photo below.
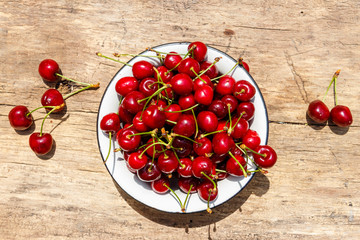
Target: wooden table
x,y
292,48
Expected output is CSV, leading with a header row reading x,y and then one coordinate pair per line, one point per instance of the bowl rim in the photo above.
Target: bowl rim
x,y
98,121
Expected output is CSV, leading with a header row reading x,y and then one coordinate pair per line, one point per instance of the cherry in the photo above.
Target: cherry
x,y
244,65
148,86
173,113
137,160
318,111
41,144
187,101
159,187
48,69
203,147
182,147
185,168
207,192
240,128
164,74
202,166
168,93
269,156
182,84
126,85
233,167
185,125
199,50
189,66
226,85
167,162
341,116
247,109
212,72
153,117
20,118
127,141
207,121
244,91
132,102
142,69
230,100
222,143
149,173
219,108
204,95
251,139
154,150
53,97
172,60
139,124
125,115
201,81
186,183
218,158
110,123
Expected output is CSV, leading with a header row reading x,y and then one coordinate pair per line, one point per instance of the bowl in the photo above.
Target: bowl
x,y
141,191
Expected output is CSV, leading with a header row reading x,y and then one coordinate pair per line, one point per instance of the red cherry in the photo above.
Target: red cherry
x,y
251,139
233,168
136,161
222,175
341,116
230,99
153,117
18,118
158,186
247,108
143,69
226,85
148,86
48,69
240,129
168,93
201,81
244,91
172,60
154,150
110,123
219,108
182,84
207,121
188,66
199,52
172,113
185,168
139,124
202,165
185,183
204,95
126,85
185,125
164,74
223,125
187,101
149,173
127,142
244,65
125,115
41,144
53,97
207,192
222,143
132,102
203,146
318,111
212,72
167,162
270,156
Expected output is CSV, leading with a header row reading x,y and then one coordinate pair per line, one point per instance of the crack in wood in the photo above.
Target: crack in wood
x,y
264,28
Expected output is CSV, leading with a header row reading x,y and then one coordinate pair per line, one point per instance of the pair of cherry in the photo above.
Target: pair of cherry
x,y
52,100
339,114
185,119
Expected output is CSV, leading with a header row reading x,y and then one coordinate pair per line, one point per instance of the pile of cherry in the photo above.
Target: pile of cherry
x,y
52,100
183,121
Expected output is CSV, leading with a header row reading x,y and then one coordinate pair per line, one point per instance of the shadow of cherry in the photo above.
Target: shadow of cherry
x,y
336,129
313,124
259,185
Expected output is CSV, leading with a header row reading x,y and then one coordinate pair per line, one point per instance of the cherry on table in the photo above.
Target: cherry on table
x,y
341,116
318,111
41,144
244,64
19,118
48,69
52,97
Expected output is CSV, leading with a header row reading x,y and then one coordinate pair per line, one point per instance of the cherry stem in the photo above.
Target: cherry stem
x,y
109,148
133,55
155,93
178,135
112,59
197,75
82,89
229,111
171,121
242,168
209,178
153,50
72,80
187,54
243,146
231,128
217,59
187,196
152,145
177,157
190,108
208,202
219,170
196,124
177,197
227,72
142,133
207,134
336,74
54,108
38,109
335,80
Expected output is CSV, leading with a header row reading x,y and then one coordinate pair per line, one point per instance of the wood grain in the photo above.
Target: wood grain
x,y
292,47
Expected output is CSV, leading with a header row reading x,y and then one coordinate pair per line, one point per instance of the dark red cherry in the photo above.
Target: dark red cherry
x,y
172,112
188,66
218,158
222,175
318,111
132,102
41,144
124,115
48,69
148,86
244,91
165,74
202,165
230,99
143,69
182,84
53,97
110,123
203,147
187,101
136,161
126,85
185,125
149,173
270,156
184,169
222,143
153,117
219,108
341,116
19,119
186,183
182,147
201,81
172,60
247,108
251,139
139,124
226,85
207,192
207,121
158,186
204,95
240,129
126,141
167,162
199,52
212,72
233,167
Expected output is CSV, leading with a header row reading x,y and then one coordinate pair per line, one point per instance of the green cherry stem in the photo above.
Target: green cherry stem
x,y
177,197
38,109
335,80
243,146
242,168
134,55
197,75
229,111
72,80
210,179
178,135
231,128
196,124
187,196
217,59
112,59
335,76
152,145
178,159
54,108
109,148
190,108
207,134
237,62
82,89
187,54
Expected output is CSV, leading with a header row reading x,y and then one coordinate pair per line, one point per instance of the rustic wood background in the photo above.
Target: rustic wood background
x,y
293,48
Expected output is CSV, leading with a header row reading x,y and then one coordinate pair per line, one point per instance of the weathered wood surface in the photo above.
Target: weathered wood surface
x,y
293,49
